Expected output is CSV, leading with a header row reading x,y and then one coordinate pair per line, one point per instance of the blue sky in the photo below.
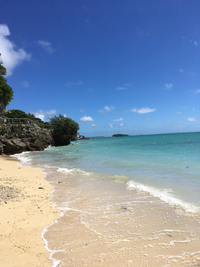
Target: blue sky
x,y
128,66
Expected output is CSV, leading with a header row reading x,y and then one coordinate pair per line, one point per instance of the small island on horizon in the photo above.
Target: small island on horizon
x,y
118,135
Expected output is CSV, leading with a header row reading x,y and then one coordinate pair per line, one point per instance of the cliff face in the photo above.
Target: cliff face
x,y
19,138
2,107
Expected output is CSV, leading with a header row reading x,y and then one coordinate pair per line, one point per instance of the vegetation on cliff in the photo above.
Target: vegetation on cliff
x,y
16,113
6,92
64,129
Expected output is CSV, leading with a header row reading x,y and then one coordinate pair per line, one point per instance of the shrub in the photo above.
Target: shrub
x,y
63,129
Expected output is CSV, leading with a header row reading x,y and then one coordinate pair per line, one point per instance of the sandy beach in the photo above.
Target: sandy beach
x,y
25,210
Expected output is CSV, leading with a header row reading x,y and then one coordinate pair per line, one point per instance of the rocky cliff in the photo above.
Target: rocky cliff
x,y
19,138
2,107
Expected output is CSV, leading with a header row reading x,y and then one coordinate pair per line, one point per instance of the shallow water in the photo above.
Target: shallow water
x,y
166,166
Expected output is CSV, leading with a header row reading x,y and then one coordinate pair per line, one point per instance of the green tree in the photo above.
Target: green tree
x,y
64,129
6,92
2,68
17,113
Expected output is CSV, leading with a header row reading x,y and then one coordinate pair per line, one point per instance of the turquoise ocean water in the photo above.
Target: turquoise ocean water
x,y
166,166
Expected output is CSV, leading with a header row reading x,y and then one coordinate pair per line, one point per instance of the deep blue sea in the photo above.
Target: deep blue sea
x,y
167,166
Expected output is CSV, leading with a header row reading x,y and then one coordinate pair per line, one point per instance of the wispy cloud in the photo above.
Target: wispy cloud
x,y
197,91
121,88
93,125
120,119
124,87
86,118
10,55
70,84
110,124
192,119
46,46
106,109
143,110
196,43
180,70
25,84
44,114
191,73
168,86
82,110
121,125
127,84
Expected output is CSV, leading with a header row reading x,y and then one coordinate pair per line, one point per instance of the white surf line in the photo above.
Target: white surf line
x,y
52,252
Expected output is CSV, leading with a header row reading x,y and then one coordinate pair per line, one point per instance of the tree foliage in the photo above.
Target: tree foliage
x,y
6,92
16,113
63,129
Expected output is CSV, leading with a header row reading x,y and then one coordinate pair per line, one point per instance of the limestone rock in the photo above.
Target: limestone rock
x,y
14,146
19,138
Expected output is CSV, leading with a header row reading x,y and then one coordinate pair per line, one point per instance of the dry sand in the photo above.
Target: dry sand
x,y
25,210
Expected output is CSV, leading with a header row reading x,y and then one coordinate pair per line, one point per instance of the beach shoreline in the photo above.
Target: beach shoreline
x,y
97,222
26,211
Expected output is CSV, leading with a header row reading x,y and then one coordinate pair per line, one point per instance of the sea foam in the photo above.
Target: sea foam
x,y
22,157
163,195
72,171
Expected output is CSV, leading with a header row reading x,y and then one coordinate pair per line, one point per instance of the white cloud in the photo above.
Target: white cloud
x,y
121,124
192,119
120,119
4,30
42,114
93,125
11,57
124,87
46,46
197,91
86,118
106,109
25,84
69,84
168,86
143,110
196,43
180,70
192,73
121,88
110,124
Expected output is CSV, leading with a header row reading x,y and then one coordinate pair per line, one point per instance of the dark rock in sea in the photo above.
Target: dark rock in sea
x,y
118,135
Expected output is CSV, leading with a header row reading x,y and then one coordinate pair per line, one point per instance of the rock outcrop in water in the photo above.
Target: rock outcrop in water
x,y
19,138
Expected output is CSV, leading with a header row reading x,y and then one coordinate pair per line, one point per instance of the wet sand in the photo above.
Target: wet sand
x,y
105,224
25,210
